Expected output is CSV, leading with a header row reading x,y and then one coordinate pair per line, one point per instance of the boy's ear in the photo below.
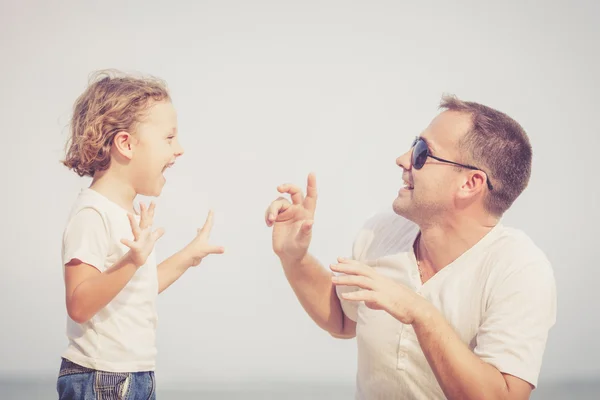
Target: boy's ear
x,y
123,143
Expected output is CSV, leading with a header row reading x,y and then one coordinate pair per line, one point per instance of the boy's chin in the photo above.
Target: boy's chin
x,y
154,191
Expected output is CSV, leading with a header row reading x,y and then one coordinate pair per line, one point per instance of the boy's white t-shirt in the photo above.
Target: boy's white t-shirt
x,y
499,296
121,337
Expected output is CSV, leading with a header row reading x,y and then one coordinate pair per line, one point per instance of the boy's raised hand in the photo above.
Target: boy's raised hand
x,y
144,238
199,247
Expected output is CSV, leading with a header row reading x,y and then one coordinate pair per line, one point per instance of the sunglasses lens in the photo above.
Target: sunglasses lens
x,y
419,155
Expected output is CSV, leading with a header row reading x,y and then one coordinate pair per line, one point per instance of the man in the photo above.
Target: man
x,y
445,301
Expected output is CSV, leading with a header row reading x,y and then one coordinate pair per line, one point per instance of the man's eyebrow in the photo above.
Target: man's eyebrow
x,y
429,144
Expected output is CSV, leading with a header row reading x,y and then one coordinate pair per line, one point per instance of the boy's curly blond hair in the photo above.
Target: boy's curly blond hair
x,y
112,103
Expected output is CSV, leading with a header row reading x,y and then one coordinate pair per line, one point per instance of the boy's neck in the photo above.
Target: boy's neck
x,y
114,188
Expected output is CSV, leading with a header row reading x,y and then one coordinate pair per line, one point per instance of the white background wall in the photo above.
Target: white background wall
x,y
266,92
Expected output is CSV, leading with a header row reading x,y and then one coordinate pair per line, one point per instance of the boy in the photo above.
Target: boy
x,y
124,136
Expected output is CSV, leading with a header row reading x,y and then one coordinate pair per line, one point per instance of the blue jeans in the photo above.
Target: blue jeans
x,y
80,383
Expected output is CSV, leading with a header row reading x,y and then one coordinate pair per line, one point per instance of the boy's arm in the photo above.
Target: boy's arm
x,y
173,267
87,289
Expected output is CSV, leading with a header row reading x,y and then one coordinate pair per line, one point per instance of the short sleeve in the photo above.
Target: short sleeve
x,y
86,239
520,312
350,308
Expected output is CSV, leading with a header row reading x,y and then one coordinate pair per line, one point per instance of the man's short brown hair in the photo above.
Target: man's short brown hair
x,y
497,144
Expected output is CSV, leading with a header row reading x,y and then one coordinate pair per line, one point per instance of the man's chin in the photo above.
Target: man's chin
x,y
400,207
404,207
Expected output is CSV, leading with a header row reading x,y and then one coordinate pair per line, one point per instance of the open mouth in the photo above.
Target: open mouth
x,y
408,185
169,165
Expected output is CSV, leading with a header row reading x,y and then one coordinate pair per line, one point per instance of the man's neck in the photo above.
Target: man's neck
x,y
114,188
440,244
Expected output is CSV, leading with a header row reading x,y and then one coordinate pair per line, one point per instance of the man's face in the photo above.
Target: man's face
x,y
430,192
157,147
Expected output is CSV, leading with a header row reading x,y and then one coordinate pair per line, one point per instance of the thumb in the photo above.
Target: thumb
x,y
215,250
128,243
157,234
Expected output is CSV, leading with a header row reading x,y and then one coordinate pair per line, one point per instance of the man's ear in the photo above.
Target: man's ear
x,y
474,184
123,143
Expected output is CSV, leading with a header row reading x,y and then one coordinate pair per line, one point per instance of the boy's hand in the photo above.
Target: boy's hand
x,y
144,238
199,247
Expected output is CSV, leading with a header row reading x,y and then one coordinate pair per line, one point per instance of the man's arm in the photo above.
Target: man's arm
x,y
460,373
292,232
317,295
511,338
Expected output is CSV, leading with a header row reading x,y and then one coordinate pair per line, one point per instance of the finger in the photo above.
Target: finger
x,y
348,260
135,228
294,191
360,295
149,215
269,217
129,243
352,269
157,234
215,250
275,208
143,216
208,224
353,280
310,203
151,211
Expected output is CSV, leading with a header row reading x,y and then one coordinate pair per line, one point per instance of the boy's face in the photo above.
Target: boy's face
x,y
156,148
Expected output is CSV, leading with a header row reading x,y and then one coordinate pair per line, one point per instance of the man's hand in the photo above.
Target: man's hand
x,y
379,293
292,222
144,237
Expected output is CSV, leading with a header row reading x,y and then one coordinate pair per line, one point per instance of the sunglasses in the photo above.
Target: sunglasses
x,y
421,152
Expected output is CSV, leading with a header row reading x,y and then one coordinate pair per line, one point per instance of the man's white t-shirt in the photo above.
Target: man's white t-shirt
x,y
121,336
499,296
